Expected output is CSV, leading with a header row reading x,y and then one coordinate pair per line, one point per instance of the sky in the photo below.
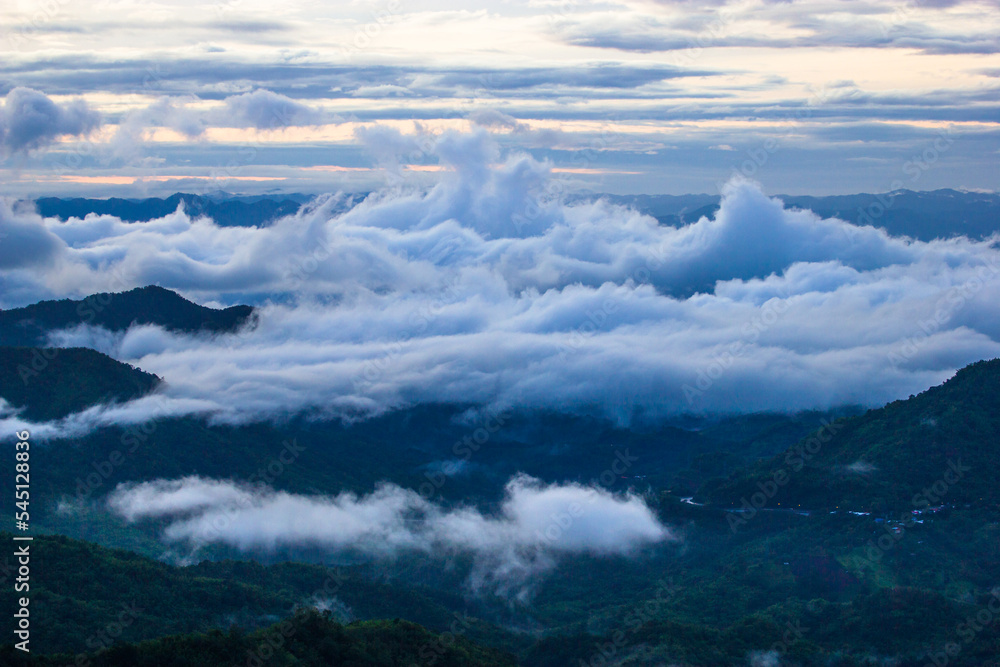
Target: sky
x,y
141,98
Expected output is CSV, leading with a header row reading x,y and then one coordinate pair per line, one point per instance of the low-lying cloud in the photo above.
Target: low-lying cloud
x,y
488,288
535,525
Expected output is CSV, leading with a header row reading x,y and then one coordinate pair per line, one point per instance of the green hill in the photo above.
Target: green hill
x,y
308,639
941,447
50,383
717,605
30,325
863,586
79,588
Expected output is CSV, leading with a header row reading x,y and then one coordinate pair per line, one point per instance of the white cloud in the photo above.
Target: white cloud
x,y
535,525
487,288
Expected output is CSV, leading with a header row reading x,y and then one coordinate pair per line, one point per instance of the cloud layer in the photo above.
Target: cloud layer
x,y
535,524
487,288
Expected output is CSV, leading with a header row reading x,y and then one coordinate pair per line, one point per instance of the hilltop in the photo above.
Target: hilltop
x,y
50,383
30,325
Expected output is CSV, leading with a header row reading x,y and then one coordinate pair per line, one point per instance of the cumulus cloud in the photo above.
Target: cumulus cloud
x,y
260,109
24,240
498,121
172,113
29,119
488,288
266,110
535,525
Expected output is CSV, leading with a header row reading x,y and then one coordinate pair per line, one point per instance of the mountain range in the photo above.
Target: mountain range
x,y
833,538
923,215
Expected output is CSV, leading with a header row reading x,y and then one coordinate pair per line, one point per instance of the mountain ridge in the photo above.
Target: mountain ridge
x,y
117,311
938,446
51,383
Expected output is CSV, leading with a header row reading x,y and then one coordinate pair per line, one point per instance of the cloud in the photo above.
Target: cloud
x,y
172,113
260,109
171,498
782,25
595,75
493,119
24,240
30,120
266,110
488,288
218,78
535,525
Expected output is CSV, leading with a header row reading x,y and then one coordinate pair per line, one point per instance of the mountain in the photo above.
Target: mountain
x,y
50,383
721,600
92,585
309,639
834,554
227,211
940,447
920,215
806,588
30,325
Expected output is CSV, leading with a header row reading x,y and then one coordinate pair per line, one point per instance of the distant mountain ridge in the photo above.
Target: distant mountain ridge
x,y
920,215
30,325
924,215
225,211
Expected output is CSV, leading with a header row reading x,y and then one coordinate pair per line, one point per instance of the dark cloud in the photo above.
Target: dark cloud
x,y
868,27
24,240
493,119
106,27
30,120
266,110
643,41
317,80
598,75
